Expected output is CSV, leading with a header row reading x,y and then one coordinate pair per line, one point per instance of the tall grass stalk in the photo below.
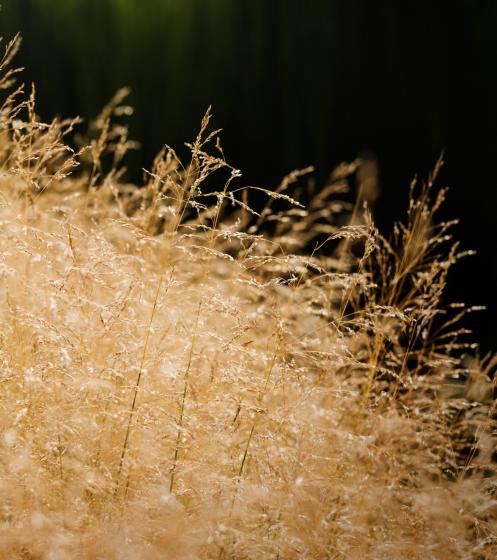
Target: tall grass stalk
x,y
136,388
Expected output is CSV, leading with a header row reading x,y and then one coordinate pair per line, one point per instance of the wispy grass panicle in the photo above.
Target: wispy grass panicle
x,y
185,376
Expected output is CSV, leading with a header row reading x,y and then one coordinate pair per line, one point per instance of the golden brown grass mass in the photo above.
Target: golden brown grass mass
x,y
185,377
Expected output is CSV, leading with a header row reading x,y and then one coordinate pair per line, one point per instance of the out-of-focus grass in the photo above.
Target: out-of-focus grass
x,y
182,377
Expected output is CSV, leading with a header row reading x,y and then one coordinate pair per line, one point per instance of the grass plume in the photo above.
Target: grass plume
x,y
185,376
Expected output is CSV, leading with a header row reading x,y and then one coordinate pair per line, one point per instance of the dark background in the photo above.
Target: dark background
x,y
294,83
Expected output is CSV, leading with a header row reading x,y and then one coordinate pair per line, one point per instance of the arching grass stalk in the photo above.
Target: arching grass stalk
x,y
136,387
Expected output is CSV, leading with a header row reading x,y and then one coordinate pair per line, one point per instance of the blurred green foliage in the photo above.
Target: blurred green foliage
x,y
83,50
293,83
259,64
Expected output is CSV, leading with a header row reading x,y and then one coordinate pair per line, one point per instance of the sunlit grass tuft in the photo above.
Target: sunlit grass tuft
x,y
185,376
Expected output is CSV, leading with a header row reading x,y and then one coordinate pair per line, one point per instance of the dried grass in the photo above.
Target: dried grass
x,y
185,377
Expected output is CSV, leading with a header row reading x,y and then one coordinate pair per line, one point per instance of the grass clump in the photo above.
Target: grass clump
x,y
186,377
